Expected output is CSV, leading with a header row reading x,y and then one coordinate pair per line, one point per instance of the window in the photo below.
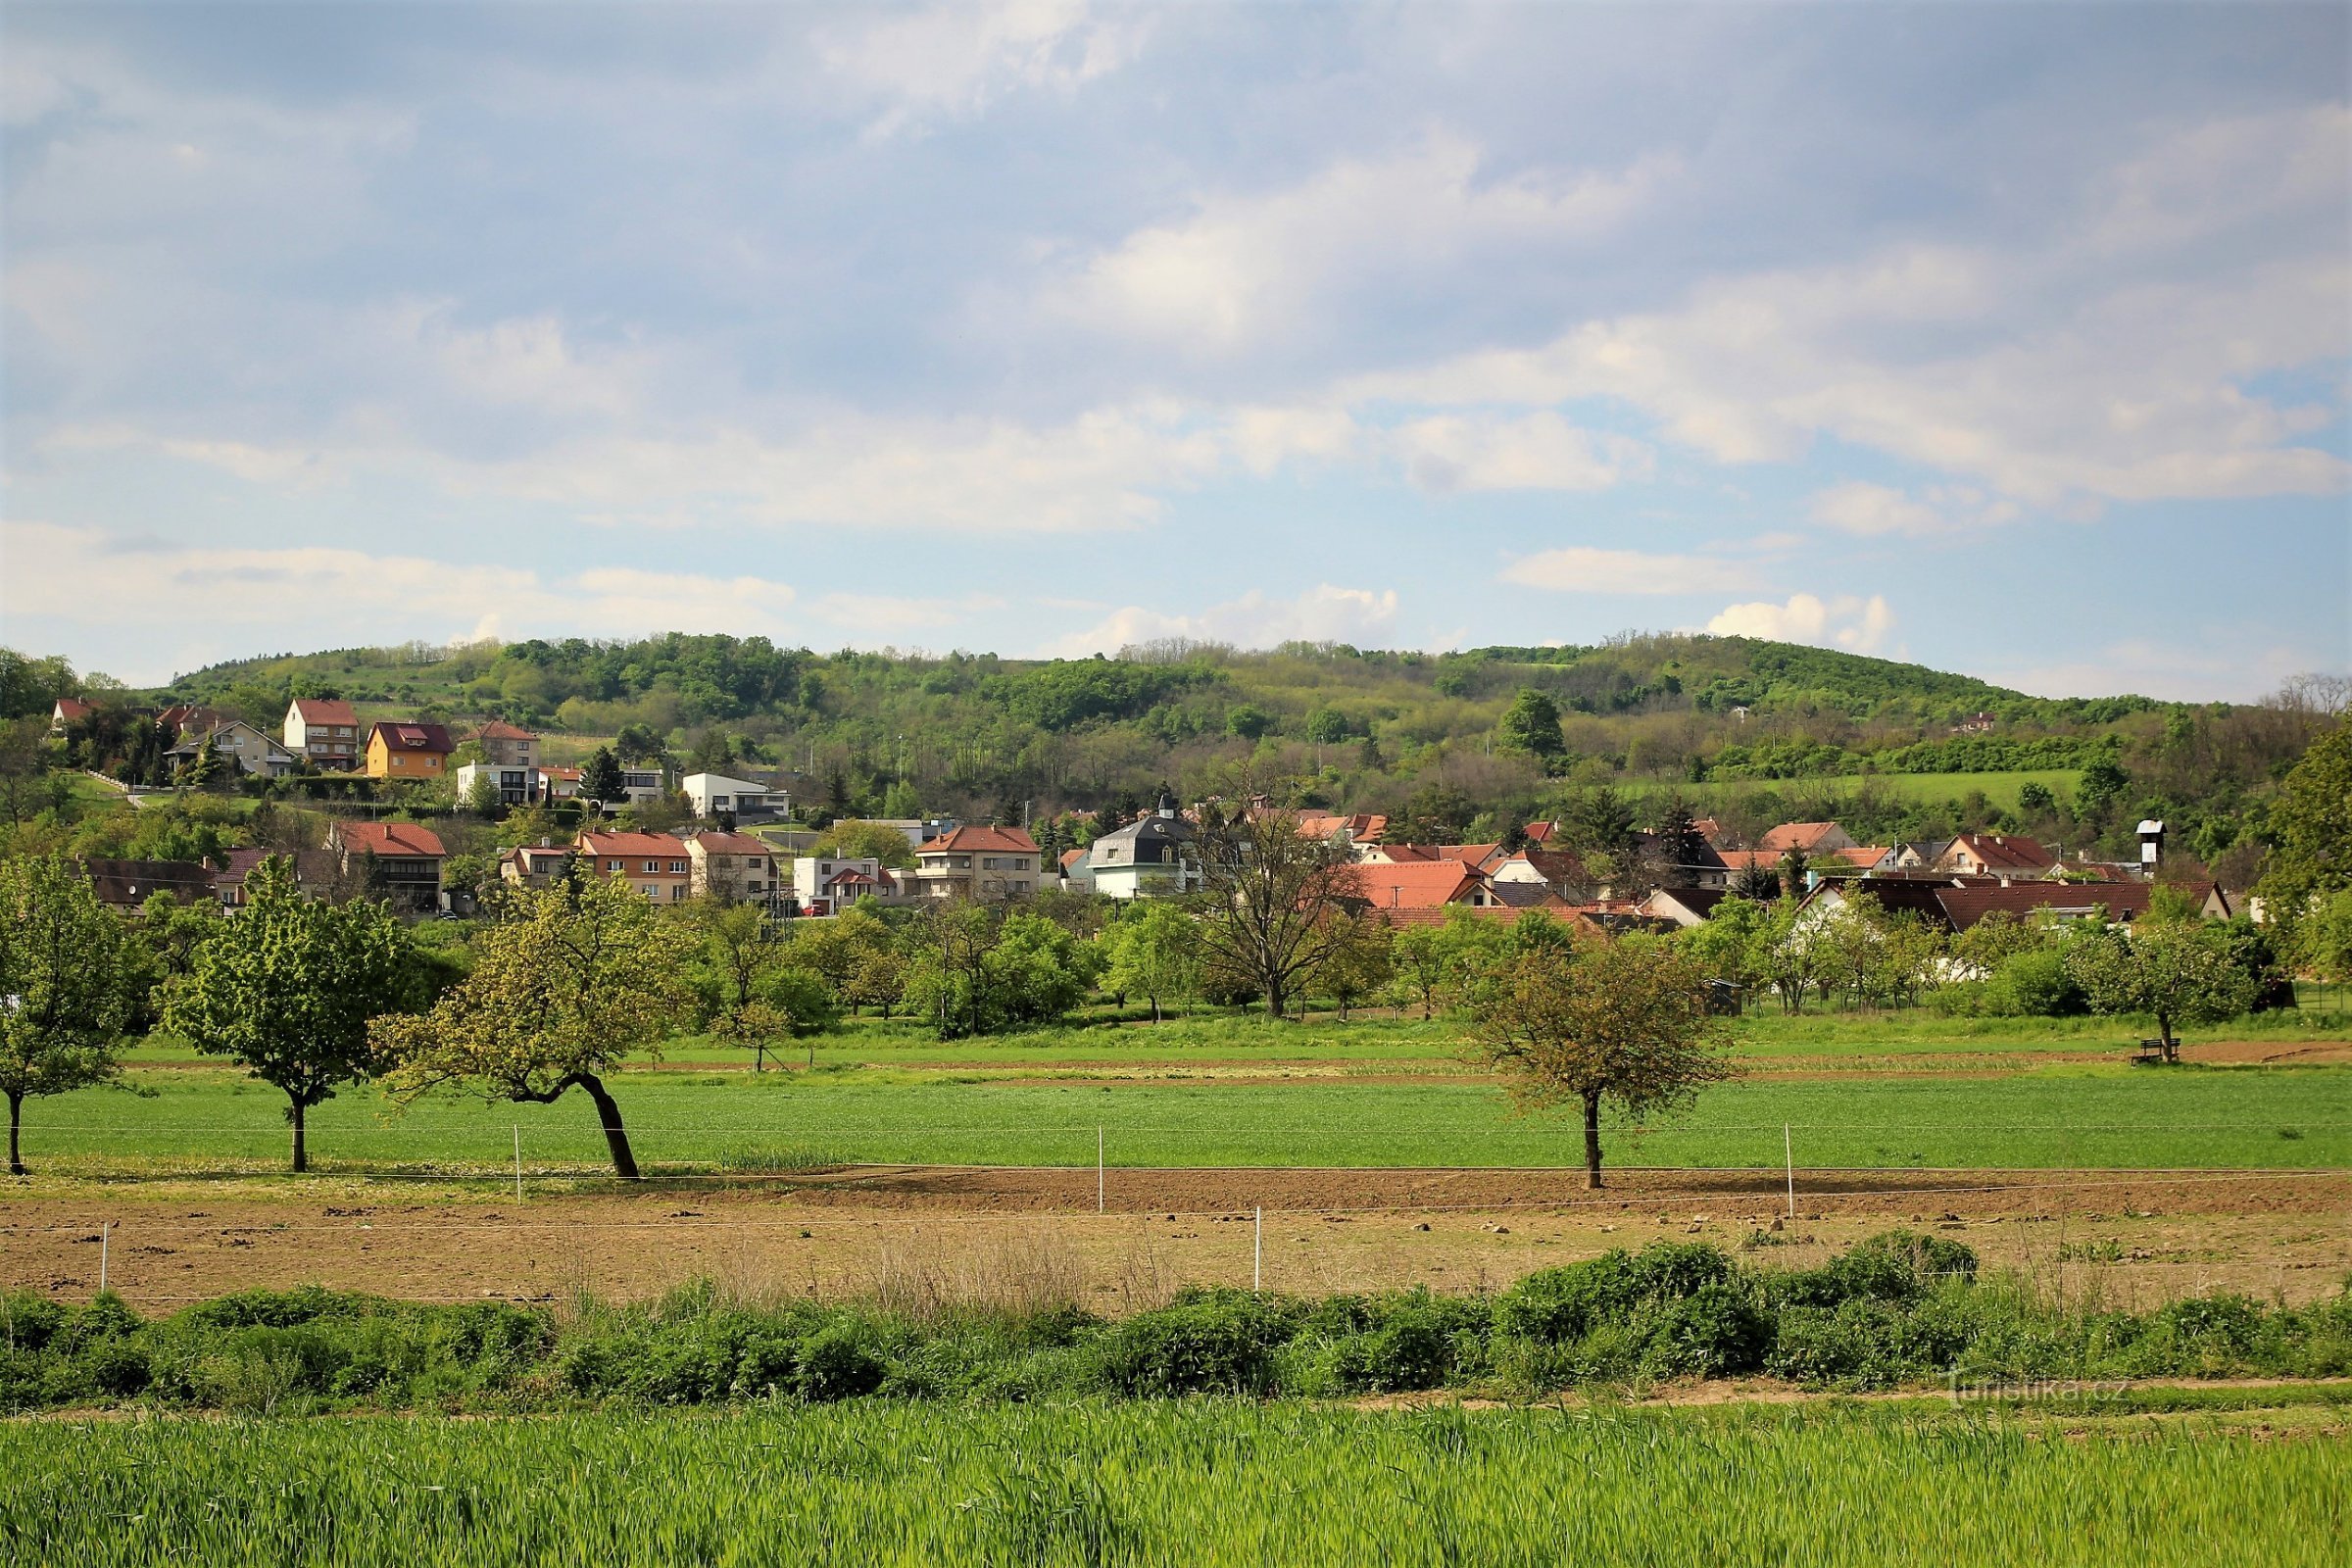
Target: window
x,y
398,761
652,867
612,866
677,869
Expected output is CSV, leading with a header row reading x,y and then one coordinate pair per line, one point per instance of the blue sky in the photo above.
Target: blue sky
x,y
2009,339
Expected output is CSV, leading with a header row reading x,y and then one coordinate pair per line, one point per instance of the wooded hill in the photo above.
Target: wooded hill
x,y
1734,723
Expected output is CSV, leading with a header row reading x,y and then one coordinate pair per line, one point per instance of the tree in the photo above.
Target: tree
x,y
600,777
850,839
287,985
1417,966
560,994
975,970
2101,786
1759,883
1269,893
1326,726
1532,724
1625,1021
69,981
1682,847
2311,829
637,743
1247,721
1599,822
2034,799
2180,972
740,949
1356,960
483,798
1155,953
1725,942
2327,938
876,979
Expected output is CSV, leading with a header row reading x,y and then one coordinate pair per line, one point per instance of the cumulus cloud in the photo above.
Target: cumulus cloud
x,y
1856,624
1588,569
1322,613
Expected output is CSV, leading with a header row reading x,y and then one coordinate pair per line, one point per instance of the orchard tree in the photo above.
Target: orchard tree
x,y
1270,892
1356,964
287,986
2310,826
1622,1021
575,982
2179,972
69,978
1155,953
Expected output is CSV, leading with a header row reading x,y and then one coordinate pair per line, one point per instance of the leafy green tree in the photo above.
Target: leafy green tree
x,y
70,977
974,970
1725,942
1326,726
2327,938
1356,962
851,839
1625,1022
483,798
878,979
1154,952
741,947
2100,788
572,984
286,985
600,777
2311,832
1532,724
637,743
2183,973
1417,966
1599,822
1247,721
2034,799
1270,892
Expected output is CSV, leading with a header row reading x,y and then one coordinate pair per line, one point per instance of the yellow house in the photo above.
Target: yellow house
x,y
407,750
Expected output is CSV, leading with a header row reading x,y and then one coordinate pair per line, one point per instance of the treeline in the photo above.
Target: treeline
x,y
1900,1308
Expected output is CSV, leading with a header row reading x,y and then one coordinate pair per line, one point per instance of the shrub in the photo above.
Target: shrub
x,y
1205,1341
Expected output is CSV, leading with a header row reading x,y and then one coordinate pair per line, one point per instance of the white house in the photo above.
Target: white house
x,y
516,786
1151,858
713,793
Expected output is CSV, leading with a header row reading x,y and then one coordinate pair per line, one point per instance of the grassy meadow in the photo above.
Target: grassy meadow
x,y
1189,1482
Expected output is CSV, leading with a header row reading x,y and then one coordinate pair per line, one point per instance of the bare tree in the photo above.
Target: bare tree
x,y
1270,891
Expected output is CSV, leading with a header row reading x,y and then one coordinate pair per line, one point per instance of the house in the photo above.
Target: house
x,y
731,867
560,783
1077,871
539,866
640,784
506,745
1919,855
1359,828
516,786
1863,858
405,751
67,711
240,747
1557,869
323,732
1955,908
1997,855
1422,885
655,864
128,884
184,719
400,861
717,792
1684,906
978,863
827,884
1154,857
1811,840
318,874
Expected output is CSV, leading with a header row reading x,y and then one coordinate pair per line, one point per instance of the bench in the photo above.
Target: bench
x,y
2154,1051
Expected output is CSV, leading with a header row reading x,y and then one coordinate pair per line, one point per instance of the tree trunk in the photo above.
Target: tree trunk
x,y
16,1118
302,1153
2164,1028
1276,1003
616,1139
1155,1009
1592,1142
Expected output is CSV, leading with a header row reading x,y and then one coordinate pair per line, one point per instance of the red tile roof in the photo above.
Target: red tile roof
x,y
388,838
1864,855
72,707
407,737
1748,859
2003,852
325,710
1553,866
1796,836
1427,885
1540,832
984,840
498,729
619,846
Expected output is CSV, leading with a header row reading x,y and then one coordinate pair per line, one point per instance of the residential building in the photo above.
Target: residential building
x,y
130,884
1955,908
323,732
240,747
69,710
399,861
827,884
1865,857
655,864
185,719
978,863
1154,857
506,745
1077,871
516,786
1421,885
560,783
640,784
1997,855
1920,854
318,874
733,868
1811,840
534,865
1684,906
1557,869
717,792
405,751
1359,829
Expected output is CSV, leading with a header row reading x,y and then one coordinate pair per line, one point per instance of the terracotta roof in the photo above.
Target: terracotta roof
x,y
325,710
498,729
69,708
1469,854
1540,832
1422,886
1070,857
405,737
2004,852
1708,828
984,840
731,844
1796,836
623,845
1864,855
1364,827
387,838
1746,860
570,774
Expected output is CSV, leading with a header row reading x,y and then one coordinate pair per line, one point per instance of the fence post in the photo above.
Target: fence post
x,y
1789,1152
105,1231
517,1126
1098,1167
1258,1254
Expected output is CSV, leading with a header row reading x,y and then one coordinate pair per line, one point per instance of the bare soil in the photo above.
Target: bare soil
x,y
2130,1238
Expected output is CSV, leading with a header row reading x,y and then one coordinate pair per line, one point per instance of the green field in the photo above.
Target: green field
x,y
1196,1483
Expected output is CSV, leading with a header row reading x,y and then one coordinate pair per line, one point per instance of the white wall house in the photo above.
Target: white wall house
x,y
713,793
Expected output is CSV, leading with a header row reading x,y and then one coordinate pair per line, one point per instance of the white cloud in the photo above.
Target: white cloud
x,y
1323,614
959,58
1857,625
1537,451
1586,569
2220,664
1243,268
1860,507
329,596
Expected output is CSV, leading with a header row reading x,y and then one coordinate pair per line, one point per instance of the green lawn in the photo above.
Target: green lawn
x,y
1184,1483
2053,1116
